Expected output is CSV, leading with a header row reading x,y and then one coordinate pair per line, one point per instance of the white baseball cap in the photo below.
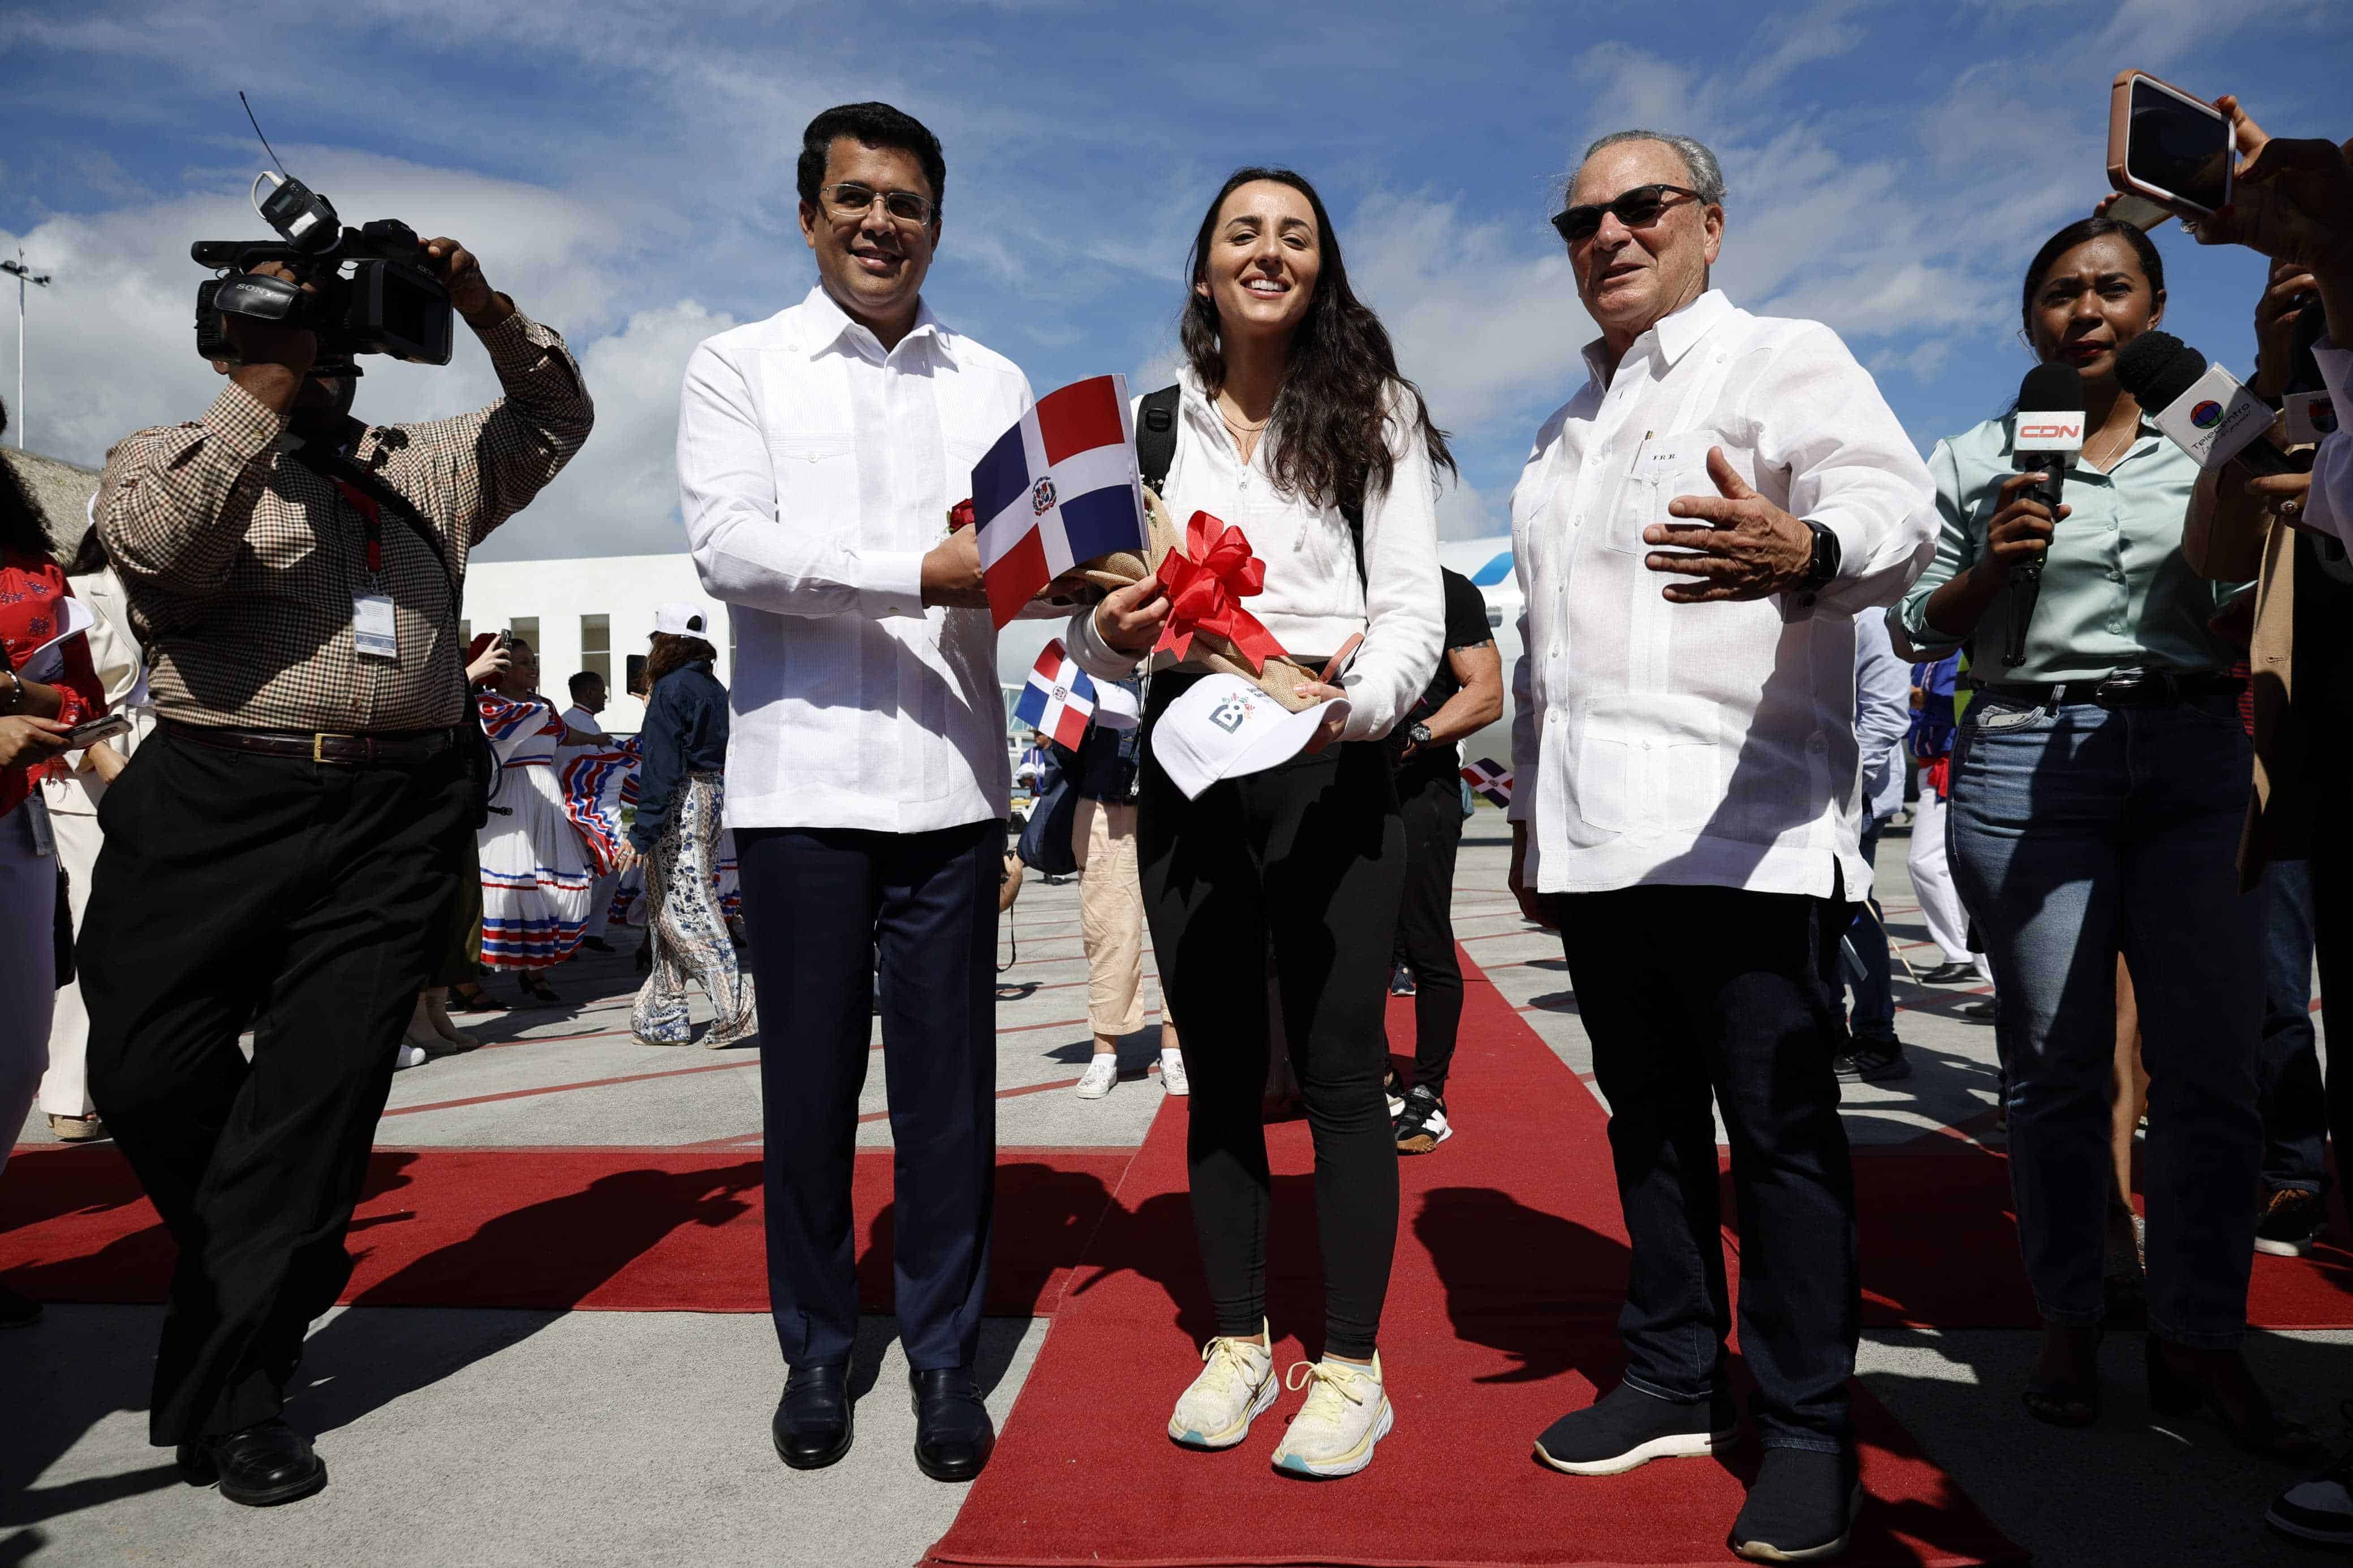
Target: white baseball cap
x,y
1225,727
681,619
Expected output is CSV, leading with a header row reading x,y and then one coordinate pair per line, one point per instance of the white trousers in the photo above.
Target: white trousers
x,y
1932,880
600,904
28,903
64,1087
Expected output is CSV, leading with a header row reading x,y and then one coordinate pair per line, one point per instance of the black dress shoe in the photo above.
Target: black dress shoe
x,y
261,1466
812,1424
953,1431
596,944
1949,974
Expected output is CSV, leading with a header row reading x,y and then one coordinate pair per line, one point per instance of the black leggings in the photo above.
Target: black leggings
x,y
1308,858
1425,933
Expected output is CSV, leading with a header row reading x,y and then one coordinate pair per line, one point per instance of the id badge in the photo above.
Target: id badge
x,y
373,632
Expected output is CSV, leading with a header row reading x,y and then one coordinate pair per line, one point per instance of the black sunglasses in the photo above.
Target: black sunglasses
x,y
1637,208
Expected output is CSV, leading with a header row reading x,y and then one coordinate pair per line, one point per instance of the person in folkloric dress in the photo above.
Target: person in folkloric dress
x,y
537,867
675,836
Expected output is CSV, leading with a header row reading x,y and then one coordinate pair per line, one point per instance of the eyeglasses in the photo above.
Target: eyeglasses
x,y
1637,208
846,200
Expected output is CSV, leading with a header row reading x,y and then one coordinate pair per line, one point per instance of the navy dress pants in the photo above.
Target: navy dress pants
x,y
823,905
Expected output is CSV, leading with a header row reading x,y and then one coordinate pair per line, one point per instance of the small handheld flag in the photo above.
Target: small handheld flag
x,y
1058,489
1490,780
1059,700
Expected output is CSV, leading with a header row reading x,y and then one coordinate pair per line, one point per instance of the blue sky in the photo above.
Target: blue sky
x,y
627,172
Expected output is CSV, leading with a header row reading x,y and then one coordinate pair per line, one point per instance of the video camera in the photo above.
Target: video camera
x,y
377,293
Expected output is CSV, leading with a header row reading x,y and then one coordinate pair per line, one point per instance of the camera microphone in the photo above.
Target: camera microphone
x,y
2201,408
2047,433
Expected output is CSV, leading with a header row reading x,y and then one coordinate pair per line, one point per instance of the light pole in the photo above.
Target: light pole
x,y
24,275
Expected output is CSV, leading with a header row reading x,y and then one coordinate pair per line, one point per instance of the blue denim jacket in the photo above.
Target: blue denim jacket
x,y
685,732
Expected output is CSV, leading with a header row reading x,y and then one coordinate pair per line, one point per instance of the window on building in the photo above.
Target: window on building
x,y
637,669
597,647
464,633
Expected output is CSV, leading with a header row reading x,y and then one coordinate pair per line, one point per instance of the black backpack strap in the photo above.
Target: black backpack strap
x,y
1156,437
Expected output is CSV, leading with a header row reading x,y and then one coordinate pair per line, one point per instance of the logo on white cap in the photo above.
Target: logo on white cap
x,y
1225,727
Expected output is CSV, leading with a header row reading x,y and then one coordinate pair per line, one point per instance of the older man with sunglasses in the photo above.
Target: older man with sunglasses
x,y
1695,533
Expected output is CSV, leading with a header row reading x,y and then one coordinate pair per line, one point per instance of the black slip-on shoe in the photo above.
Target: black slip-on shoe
x,y
1627,1428
260,1466
953,1432
1801,1509
812,1427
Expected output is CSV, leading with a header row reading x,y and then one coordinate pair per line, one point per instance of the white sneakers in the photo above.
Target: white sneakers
x,y
1172,1073
1102,1071
1347,1413
1236,1384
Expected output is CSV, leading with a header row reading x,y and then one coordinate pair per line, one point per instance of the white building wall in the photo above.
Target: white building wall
x,y
626,588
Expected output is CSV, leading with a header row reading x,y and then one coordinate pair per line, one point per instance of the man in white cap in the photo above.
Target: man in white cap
x,y
819,453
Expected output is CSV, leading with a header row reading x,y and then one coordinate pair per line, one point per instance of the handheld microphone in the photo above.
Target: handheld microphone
x,y
2048,432
2201,408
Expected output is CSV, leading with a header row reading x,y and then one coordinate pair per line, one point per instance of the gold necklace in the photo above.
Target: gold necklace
x,y
1241,426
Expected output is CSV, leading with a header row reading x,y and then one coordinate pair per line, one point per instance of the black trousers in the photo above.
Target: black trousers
x,y
1432,811
1689,990
2331,869
308,900
1307,859
822,905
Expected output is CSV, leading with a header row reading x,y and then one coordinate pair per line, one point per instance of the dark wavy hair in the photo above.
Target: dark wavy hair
x,y
1326,435
671,652
21,528
872,125
2152,264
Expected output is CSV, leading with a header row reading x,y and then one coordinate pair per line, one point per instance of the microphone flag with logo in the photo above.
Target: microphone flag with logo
x,y
1059,702
2046,434
2201,408
1057,490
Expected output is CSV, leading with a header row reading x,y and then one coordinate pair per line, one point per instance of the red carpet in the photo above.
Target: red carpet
x,y
1500,1317
1921,1213
618,1229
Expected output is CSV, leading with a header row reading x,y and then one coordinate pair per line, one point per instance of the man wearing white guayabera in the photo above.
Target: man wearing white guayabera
x,y
1694,533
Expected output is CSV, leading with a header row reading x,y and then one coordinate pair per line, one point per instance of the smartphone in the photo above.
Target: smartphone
x,y
2166,145
81,737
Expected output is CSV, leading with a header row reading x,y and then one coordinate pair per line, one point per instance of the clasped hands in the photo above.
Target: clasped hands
x,y
1748,547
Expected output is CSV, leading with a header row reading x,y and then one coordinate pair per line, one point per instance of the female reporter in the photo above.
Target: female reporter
x,y
44,691
1293,425
2096,795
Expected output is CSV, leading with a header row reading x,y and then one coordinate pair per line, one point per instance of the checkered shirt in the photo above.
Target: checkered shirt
x,y
241,565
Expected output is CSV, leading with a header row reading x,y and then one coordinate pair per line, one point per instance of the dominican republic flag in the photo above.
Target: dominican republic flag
x,y
1490,779
1057,490
1059,700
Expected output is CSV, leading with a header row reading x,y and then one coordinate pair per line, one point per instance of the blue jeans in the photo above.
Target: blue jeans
x,y
2077,832
1863,956
2294,1108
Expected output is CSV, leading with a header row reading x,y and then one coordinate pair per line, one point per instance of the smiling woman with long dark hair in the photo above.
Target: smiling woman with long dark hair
x,y
1292,424
2097,792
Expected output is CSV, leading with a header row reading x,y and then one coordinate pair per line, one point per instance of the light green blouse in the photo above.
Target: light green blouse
x,y
2117,592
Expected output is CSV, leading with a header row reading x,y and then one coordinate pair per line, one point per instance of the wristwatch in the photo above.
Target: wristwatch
x,y
1825,563
1419,734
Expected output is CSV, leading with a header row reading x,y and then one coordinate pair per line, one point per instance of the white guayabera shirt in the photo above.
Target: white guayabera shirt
x,y
815,471
1709,744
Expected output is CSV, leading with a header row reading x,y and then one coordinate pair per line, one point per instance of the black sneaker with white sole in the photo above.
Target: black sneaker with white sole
x,y
1627,1428
1874,1061
2289,1222
1422,1126
1801,1509
2318,1509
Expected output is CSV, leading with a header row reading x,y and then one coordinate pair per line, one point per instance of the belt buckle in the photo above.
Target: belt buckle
x,y
319,740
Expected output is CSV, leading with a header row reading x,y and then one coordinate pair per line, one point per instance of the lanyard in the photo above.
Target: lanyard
x,y
371,514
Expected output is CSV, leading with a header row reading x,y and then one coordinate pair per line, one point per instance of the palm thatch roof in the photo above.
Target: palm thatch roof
x,y
60,491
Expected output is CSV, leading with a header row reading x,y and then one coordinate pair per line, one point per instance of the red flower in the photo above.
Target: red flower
x,y
960,515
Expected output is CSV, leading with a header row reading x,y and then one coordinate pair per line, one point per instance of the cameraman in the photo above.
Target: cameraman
x,y
279,851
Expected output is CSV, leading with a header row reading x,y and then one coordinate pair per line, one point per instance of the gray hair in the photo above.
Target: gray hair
x,y
1706,173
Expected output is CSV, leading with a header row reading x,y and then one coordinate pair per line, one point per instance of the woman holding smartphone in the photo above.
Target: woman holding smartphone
x,y
1293,426
2097,790
44,692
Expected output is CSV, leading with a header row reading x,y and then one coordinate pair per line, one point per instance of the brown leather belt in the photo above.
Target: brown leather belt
x,y
349,751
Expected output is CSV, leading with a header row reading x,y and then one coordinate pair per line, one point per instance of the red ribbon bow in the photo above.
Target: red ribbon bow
x,y
1204,580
